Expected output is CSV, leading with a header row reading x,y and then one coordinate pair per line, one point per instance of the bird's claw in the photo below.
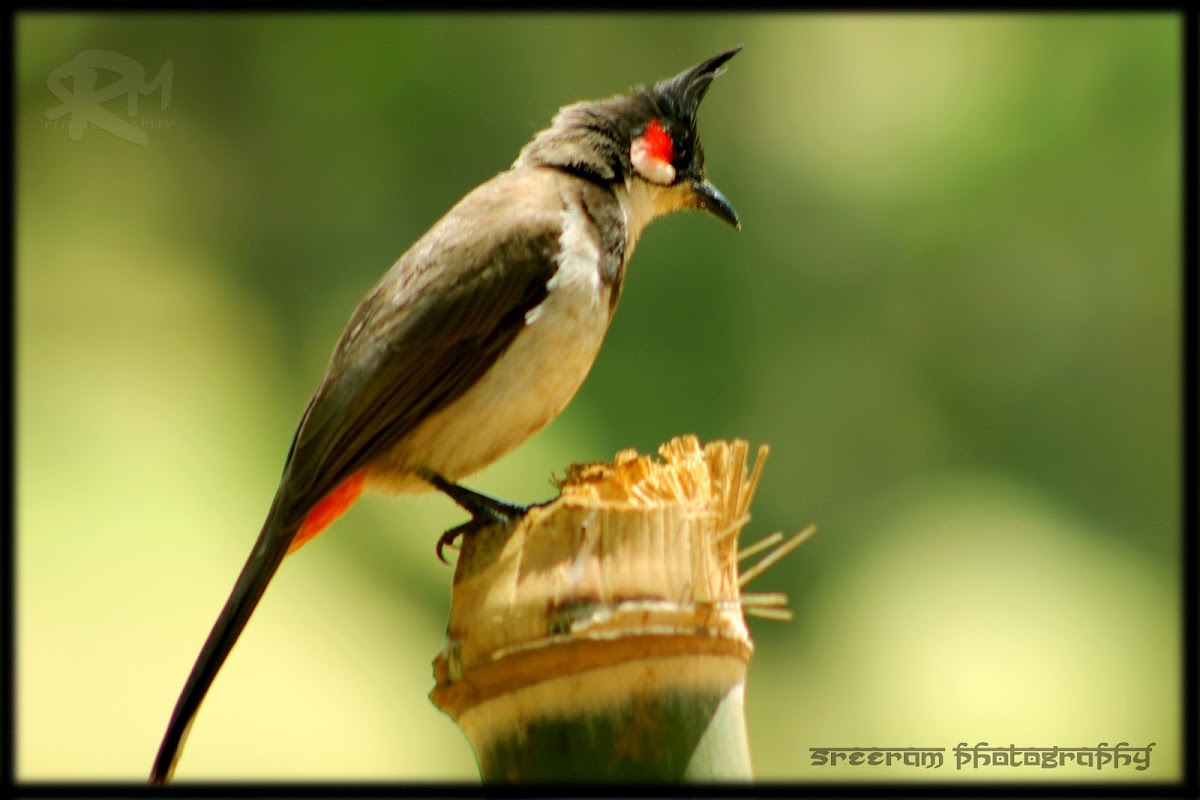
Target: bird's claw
x,y
496,512
448,538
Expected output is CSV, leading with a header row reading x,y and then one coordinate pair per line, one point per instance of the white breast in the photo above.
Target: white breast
x,y
531,382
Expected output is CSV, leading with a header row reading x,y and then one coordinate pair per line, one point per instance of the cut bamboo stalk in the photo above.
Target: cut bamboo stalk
x,y
602,636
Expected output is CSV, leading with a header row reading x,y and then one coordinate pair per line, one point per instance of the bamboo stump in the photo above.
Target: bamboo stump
x,y
602,636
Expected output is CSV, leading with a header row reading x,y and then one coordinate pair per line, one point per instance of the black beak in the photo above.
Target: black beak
x,y
711,199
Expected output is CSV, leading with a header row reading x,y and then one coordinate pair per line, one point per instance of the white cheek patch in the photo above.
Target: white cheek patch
x,y
649,166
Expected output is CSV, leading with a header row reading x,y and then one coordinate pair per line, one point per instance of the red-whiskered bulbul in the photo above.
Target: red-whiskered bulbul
x,y
480,334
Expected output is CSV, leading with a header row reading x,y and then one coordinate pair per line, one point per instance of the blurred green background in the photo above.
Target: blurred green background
x,y
953,313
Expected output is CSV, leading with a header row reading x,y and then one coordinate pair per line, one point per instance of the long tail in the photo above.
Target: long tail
x,y
276,540
270,548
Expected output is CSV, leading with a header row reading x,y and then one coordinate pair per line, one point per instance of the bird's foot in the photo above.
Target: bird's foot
x,y
448,538
484,510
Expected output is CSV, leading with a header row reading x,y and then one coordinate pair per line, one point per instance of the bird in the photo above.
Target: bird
x,y
478,335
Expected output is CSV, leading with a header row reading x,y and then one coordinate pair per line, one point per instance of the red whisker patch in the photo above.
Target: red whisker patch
x,y
658,142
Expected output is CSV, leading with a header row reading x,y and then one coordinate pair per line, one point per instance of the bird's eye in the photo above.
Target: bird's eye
x,y
652,153
683,155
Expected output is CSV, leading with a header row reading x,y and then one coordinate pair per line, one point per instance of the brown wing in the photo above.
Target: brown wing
x,y
432,326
